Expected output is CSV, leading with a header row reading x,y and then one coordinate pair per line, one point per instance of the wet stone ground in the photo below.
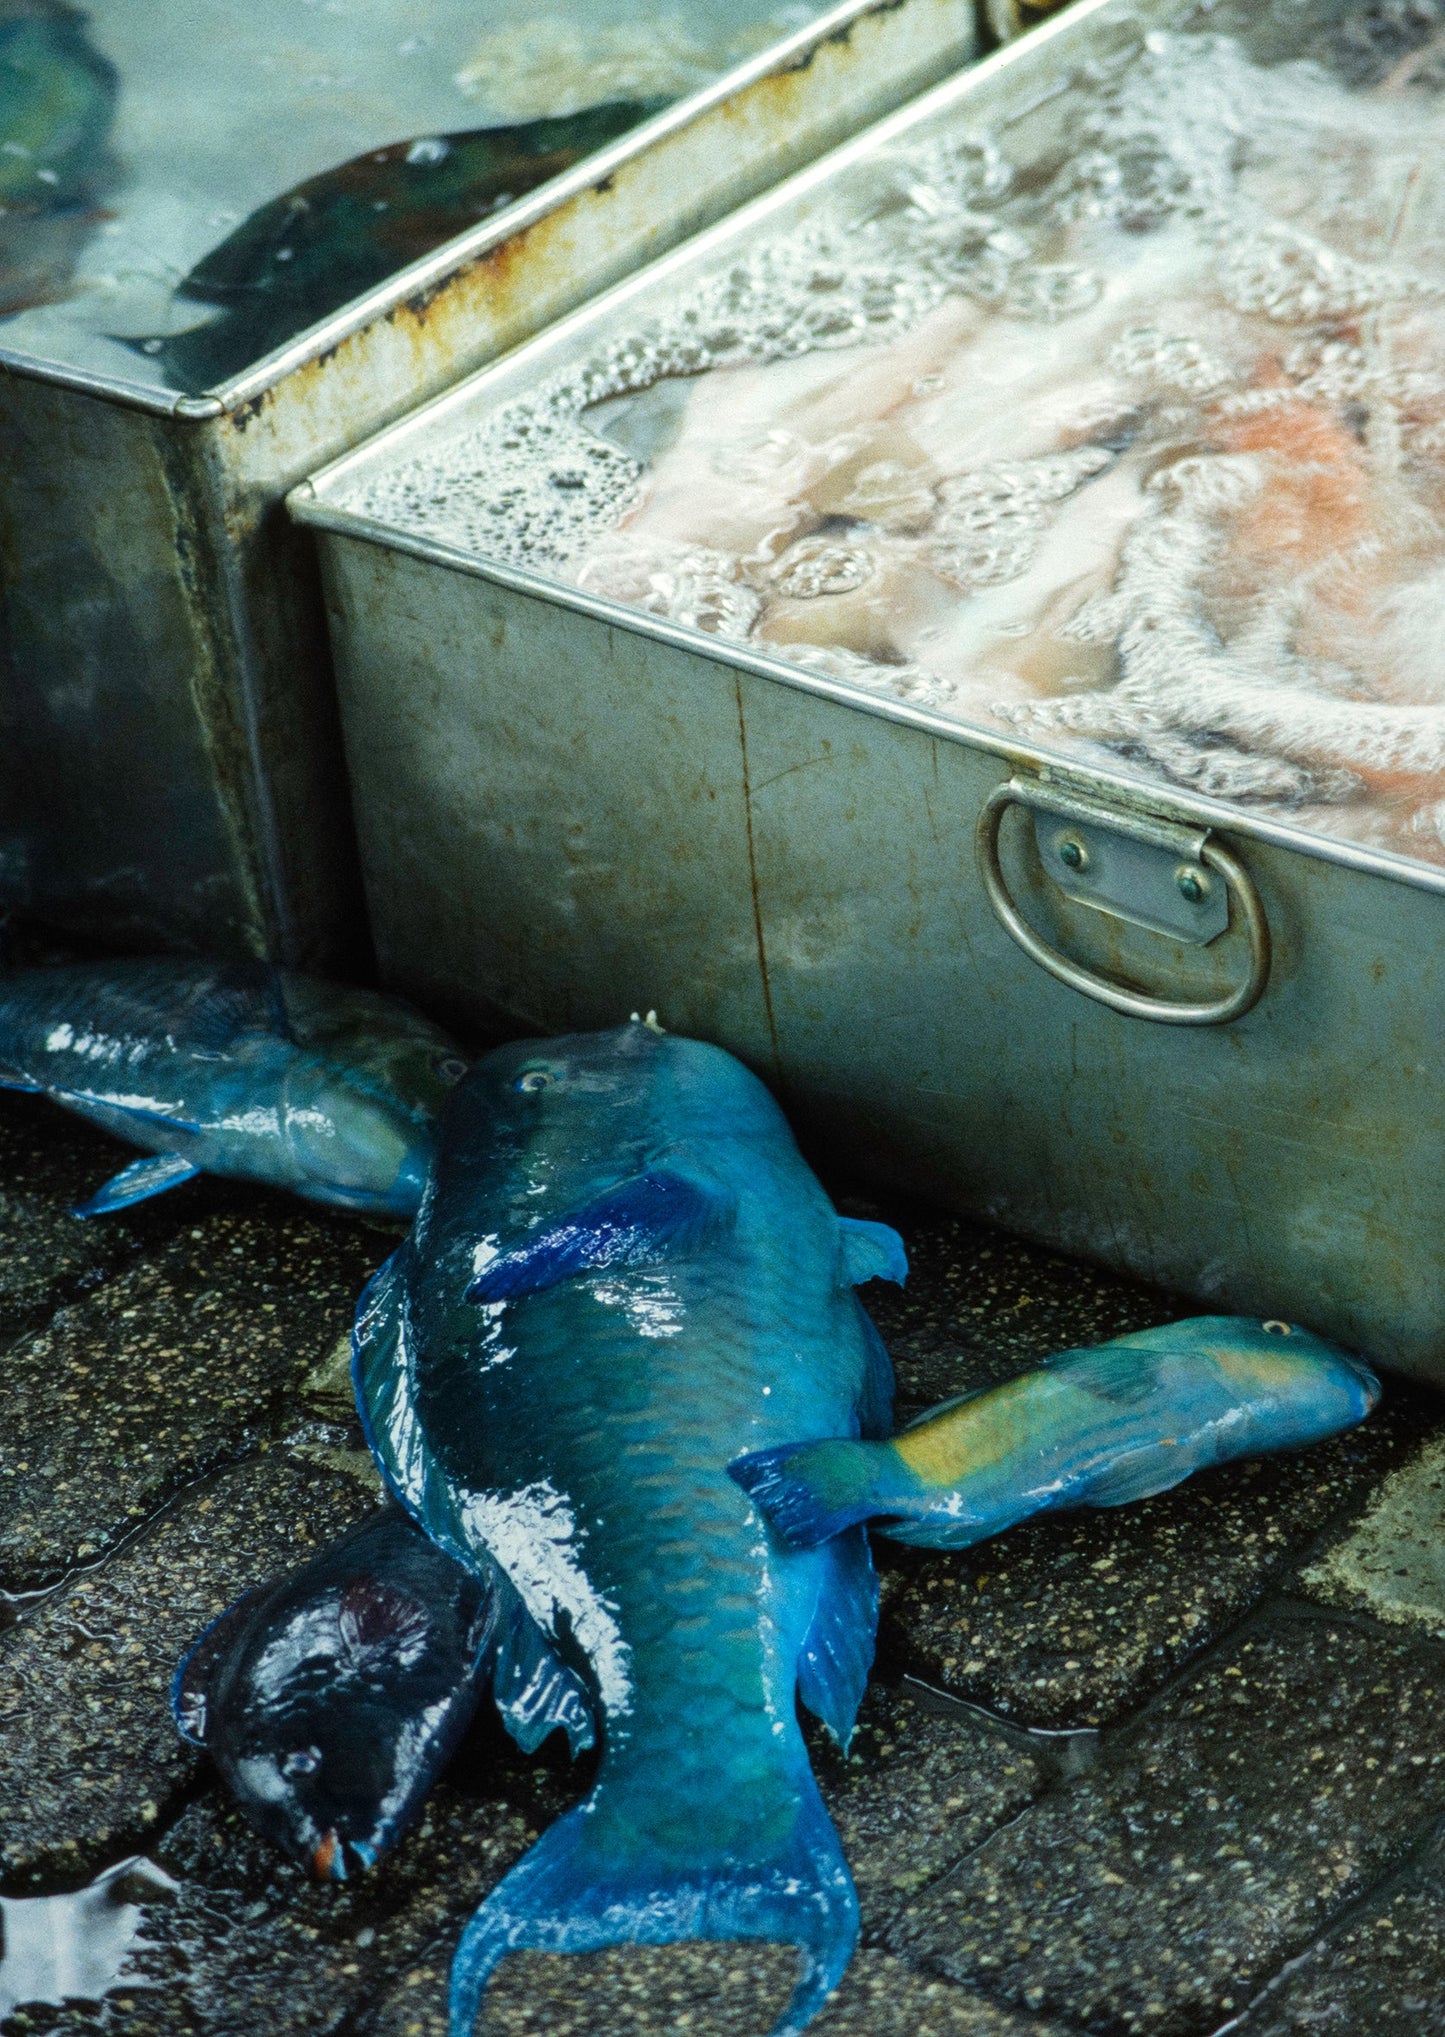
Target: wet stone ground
x,y
1174,1769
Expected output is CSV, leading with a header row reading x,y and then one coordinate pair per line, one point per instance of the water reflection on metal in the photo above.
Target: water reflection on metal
x,y
75,1947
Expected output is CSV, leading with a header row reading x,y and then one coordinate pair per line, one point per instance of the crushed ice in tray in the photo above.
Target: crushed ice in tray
x,y
1135,448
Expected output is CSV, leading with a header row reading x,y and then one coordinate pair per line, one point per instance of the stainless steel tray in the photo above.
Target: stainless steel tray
x,y
1183,1038
169,762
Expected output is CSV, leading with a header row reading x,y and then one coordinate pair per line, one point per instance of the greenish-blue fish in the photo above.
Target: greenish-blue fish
x,y
1096,1427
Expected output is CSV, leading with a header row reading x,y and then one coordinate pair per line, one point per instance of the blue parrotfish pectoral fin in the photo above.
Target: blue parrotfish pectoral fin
x,y
137,1183
661,1214
536,1693
808,1492
572,1894
244,1000
838,1652
871,1252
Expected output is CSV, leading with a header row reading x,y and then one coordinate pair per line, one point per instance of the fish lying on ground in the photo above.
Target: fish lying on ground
x,y
332,1699
57,101
1096,1427
238,1069
304,255
624,1280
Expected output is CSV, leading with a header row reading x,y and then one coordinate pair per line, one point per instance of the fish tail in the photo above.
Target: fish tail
x,y
809,1492
576,1892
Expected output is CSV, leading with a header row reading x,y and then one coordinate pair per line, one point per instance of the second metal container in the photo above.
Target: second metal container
x,y
1185,1038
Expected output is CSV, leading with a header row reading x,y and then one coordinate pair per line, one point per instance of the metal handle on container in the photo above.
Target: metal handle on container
x,y
1193,846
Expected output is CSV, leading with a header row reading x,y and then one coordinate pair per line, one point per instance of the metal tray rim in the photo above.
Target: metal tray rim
x,y
430,270
1191,809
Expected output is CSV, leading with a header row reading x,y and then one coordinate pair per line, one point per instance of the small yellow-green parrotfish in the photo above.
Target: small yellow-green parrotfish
x,y
1093,1427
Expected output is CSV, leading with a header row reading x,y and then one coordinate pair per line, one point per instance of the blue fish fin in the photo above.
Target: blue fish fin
x,y
12,1078
808,1492
137,1183
838,1653
661,1214
871,1252
243,1000
1141,1474
583,1887
535,1691
191,1684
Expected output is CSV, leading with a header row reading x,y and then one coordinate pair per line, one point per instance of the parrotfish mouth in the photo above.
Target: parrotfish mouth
x,y
330,1860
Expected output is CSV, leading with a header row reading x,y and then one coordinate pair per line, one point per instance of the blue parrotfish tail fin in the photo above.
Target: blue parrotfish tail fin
x,y
662,1214
191,1684
838,1652
243,1000
871,1252
807,1492
571,1893
137,1183
536,1693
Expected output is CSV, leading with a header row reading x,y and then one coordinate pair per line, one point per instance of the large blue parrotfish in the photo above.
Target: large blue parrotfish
x,y
331,1699
238,1069
623,1280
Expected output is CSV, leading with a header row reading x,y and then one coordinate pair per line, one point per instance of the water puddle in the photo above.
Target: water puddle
x,y
75,1947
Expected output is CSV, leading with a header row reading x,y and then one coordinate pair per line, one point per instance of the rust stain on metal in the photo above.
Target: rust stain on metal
x,y
753,882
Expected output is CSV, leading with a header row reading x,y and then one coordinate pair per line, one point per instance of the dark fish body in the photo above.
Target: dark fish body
x,y
623,1273
236,1069
57,101
331,1700
304,255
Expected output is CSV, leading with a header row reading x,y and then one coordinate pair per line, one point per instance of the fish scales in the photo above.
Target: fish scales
x,y
627,1216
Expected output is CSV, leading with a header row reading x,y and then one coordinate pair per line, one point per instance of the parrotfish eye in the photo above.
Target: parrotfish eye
x,y
534,1079
302,1761
451,1068
1278,1329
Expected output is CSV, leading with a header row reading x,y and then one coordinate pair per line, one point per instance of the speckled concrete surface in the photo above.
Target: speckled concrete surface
x,y
1244,1834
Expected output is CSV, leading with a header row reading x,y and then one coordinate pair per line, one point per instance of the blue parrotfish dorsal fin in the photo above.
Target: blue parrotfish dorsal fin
x,y
244,1000
871,1252
191,1684
137,1183
535,1691
661,1214
838,1653
587,1884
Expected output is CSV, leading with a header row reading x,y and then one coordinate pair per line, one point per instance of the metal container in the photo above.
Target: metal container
x,y
171,768
1152,1028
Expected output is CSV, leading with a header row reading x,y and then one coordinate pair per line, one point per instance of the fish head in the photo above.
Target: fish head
x,y
332,1783
586,1107
361,1110
1311,1387
330,1726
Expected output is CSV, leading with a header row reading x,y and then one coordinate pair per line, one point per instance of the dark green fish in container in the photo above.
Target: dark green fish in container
x,y
57,101
1097,1427
304,255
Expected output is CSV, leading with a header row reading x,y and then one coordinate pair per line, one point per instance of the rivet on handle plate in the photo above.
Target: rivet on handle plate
x,y
1194,854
